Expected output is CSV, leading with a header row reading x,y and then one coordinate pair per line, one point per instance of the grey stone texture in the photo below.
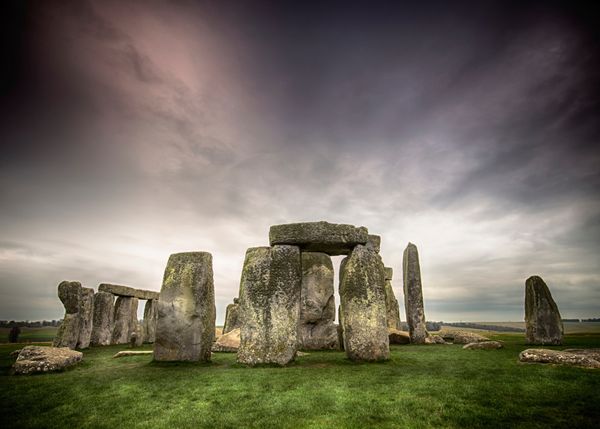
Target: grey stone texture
x,y
374,242
330,238
137,335
68,332
86,318
391,303
149,323
35,359
230,342
413,295
363,311
127,291
185,328
463,337
484,345
543,324
317,303
270,290
103,319
398,337
232,317
125,319
559,358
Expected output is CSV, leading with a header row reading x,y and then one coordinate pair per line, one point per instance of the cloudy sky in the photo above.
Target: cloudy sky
x,y
135,129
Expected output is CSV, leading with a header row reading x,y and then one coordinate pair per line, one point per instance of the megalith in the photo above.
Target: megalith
x,y
68,333
317,303
391,303
232,316
86,317
543,324
374,242
413,295
103,319
185,327
270,290
363,310
149,323
125,319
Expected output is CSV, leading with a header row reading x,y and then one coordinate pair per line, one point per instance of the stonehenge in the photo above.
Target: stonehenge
x,y
413,295
103,320
125,319
68,332
543,324
232,316
86,314
391,303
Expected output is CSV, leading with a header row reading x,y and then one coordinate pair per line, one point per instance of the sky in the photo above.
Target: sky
x,y
135,129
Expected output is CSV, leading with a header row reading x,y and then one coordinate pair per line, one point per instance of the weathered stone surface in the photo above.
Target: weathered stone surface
x,y
68,332
270,305
391,303
232,316
34,359
558,357
330,238
229,342
398,337
463,337
434,339
127,291
185,328
484,345
592,353
413,295
125,319
389,273
543,324
86,318
149,324
317,303
374,242
137,335
362,292
127,353
103,319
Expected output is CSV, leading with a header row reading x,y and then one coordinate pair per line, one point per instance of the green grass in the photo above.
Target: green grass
x,y
30,335
421,386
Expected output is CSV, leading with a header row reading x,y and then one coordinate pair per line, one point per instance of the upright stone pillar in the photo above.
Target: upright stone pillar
x,y
362,292
185,327
68,333
543,324
125,319
103,319
317,303
391,303
270,305
232,316
149,324
413,296
86,317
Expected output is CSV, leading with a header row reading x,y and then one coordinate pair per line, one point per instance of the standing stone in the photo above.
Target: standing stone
x,y
317,303
149,324
270,305
391,303
86,317
137,335
542,318
125,319
413,295
362,292
185,328
232,316
68,333
103,319
374,243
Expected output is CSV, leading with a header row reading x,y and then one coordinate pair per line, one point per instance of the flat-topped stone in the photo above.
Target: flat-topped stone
x,y
120,290
330,238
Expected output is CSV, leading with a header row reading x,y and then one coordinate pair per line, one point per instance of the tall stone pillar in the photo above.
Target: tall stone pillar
x,y
543,324
232,316
391,303
270,305
149,324
68,333
86,317
185,327
413,296
103,319
363,311
125,319
317,303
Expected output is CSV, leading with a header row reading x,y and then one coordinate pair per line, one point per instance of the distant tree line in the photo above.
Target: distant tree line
x,y
29,323
485,327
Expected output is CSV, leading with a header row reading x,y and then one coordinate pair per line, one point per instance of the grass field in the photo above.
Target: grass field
x,y
421,386
30,335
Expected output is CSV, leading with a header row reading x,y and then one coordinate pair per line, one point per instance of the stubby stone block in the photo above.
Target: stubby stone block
x,y
330,238
232,317
127,291
413,295
103,319
149,324
270,305
86,318
543,324
391,303
317,303
374,243
363,306
125,319
35,359
68,333
185,327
